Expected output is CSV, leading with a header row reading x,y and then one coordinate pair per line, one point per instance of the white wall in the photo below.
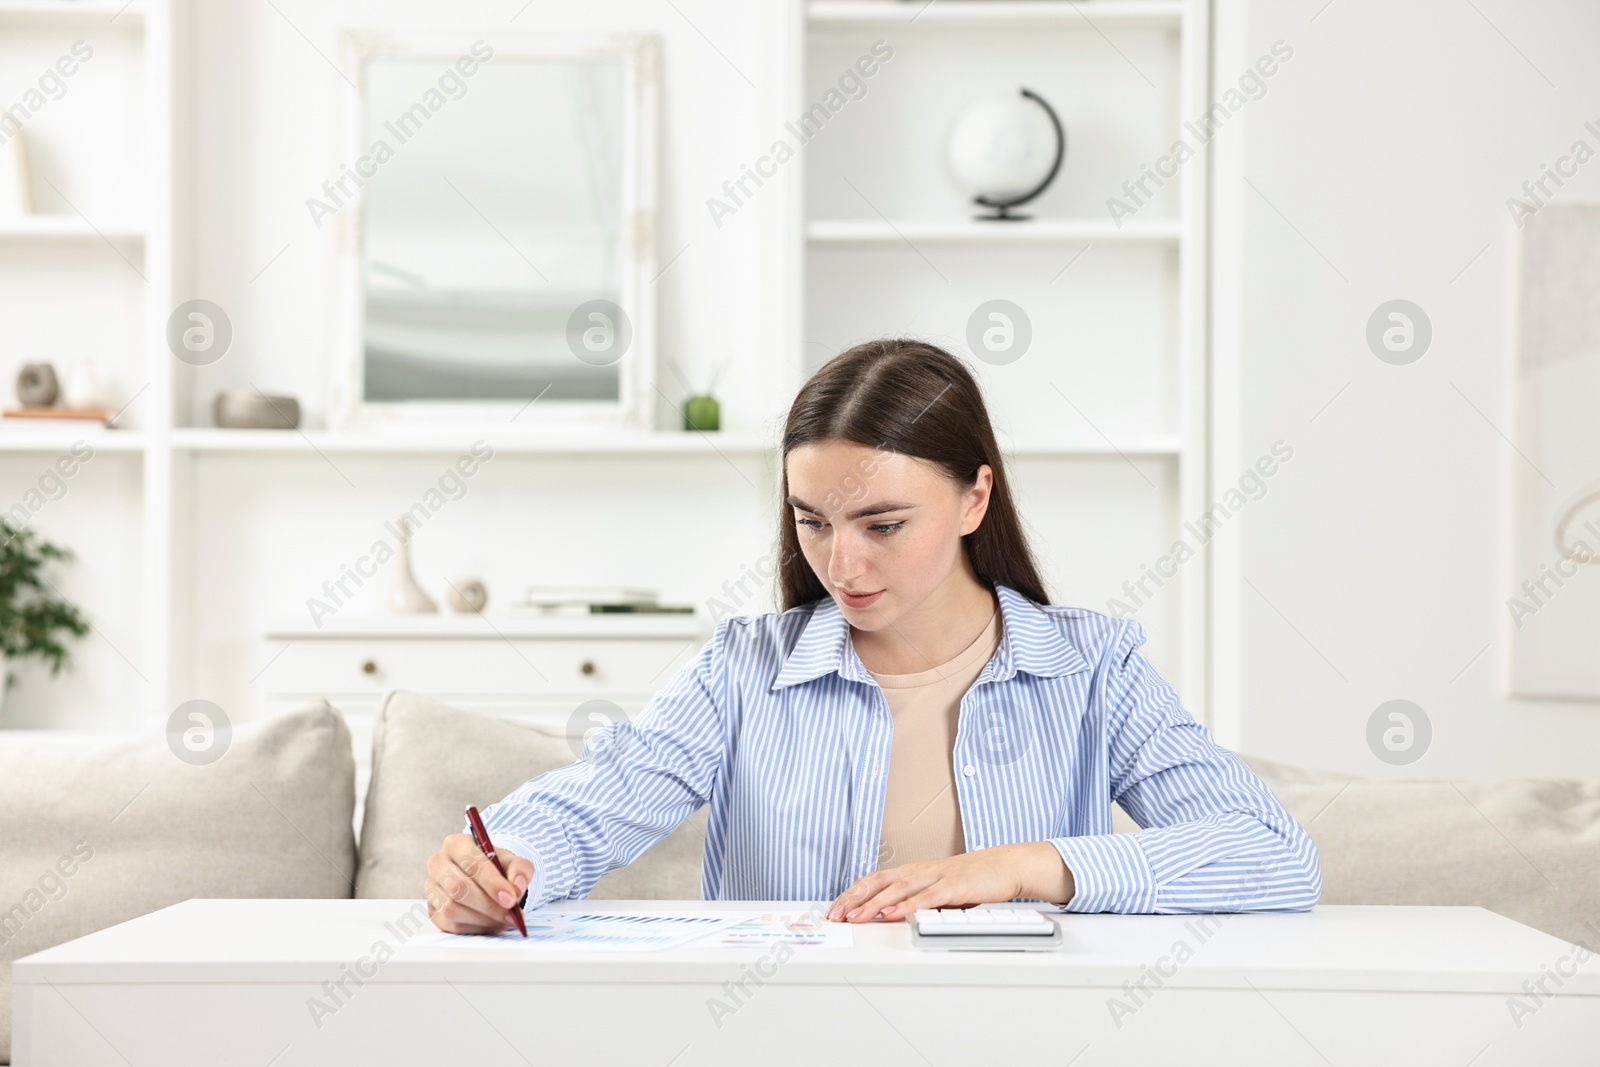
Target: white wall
x,y
1381,158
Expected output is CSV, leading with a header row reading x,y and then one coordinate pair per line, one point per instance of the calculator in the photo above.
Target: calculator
x,y
984,929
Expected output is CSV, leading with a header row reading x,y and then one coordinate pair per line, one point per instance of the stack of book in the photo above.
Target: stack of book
x,y
593,600
53,420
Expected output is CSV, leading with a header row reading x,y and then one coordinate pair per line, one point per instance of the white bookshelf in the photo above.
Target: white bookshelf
x,y
98,263
172,459
887,239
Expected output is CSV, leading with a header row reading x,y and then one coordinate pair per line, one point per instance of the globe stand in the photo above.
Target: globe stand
x,y
1002,208
1002,212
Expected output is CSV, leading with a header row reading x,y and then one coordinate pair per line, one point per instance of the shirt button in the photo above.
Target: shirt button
x,y
874,768
969,770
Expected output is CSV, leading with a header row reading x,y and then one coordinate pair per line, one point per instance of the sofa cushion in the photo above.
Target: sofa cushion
x,y
1275,774
429,761
1525,848
96,829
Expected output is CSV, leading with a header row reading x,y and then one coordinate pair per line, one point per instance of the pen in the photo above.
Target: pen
x,y
481,836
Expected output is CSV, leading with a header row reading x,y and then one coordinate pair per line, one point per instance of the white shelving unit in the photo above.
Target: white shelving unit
x,y
114,235
887,238
1165,246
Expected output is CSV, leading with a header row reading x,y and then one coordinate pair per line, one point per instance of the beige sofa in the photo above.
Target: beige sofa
x,y
95,830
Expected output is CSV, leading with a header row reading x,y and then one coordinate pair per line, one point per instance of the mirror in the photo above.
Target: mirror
x,y
504,253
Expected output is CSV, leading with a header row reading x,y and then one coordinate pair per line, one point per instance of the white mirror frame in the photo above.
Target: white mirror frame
x,y
348,410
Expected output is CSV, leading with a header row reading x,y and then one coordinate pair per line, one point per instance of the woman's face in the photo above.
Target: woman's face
x,y
882,531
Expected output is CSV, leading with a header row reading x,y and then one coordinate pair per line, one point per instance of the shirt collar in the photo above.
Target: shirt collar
x,y
1030,641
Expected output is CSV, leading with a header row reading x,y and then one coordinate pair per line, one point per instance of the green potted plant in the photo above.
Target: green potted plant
x,y
702,411
32,620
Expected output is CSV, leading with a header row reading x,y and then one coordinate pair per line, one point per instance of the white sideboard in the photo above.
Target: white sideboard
x,y
547,671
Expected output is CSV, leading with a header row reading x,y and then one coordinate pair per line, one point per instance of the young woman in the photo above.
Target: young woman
x,y
918,728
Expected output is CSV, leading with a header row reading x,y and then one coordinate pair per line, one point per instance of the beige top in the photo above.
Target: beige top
x,y
921,814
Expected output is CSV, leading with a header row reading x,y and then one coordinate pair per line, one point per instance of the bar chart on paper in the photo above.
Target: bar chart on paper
x,y
784,928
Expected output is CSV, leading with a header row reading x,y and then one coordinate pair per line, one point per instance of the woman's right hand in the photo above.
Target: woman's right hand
x,y
465,894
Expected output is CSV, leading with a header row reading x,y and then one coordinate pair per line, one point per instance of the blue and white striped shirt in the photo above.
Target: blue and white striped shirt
x,y
778,726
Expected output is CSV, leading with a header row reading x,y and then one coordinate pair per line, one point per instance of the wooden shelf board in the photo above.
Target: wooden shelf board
x,y
1033,231
68,226
440,441
1120,444
493,627
995,14
115,13
291,442
287,442
63,440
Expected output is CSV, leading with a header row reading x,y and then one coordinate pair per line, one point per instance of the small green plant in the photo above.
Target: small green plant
x,y
31,620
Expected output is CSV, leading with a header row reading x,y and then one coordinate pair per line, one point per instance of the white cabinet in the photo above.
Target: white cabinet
x,y
544,671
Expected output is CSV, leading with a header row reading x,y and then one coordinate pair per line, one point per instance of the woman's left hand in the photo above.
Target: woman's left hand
x,y
988,875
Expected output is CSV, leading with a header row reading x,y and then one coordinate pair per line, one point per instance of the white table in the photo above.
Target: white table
x,y
211,982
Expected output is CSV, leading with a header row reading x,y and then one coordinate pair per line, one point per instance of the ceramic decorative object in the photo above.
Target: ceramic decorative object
x,y
83,386
406,597
16,186
468,595
246,409
37,386
1007,152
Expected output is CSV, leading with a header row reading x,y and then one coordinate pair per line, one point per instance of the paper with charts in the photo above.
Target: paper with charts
x,y
616,931
777,928
640,931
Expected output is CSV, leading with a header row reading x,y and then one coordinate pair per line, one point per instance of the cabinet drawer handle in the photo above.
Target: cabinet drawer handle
x,y
587,666
369,667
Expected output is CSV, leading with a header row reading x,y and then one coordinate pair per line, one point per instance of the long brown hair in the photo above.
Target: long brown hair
x,y
918,400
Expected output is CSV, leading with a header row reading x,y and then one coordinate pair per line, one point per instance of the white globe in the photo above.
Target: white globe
x,y
1002,148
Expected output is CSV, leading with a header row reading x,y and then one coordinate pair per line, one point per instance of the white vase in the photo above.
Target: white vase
x,y
406,597
16,189
82,389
